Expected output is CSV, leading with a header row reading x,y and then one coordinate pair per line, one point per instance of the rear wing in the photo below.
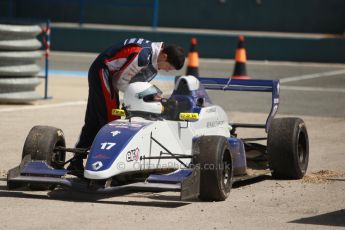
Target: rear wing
x,y
247,85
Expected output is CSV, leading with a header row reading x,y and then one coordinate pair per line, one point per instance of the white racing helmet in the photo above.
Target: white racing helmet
x,y
143,97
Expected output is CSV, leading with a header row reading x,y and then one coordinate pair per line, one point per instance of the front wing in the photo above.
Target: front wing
x,y
186,181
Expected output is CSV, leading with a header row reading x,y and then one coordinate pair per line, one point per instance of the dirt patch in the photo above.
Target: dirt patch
x,y
322,176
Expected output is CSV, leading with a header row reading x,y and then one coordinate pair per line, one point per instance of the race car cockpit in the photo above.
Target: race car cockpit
x,y
143,99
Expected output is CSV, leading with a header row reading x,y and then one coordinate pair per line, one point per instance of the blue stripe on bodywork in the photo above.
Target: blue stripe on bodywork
x,y
107,146
41,168
175,177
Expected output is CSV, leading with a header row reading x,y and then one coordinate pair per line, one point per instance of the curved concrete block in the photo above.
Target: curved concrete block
x,y
19,97
19,70
24,44
21,31
19,57
18,84
18,63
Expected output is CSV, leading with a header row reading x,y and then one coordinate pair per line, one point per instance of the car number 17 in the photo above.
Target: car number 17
x,y
107,145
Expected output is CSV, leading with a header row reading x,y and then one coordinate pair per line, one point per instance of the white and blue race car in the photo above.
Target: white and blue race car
x,y
184,144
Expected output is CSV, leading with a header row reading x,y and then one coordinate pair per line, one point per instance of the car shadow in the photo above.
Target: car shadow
x,y
73,196
65,194
157,199
251,181
161,200
237,184
336,219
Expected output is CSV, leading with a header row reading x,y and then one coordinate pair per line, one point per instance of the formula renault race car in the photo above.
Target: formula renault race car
x,y
184,144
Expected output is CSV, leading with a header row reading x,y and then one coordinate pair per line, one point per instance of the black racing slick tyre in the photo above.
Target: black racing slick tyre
x,y
216,174
288,148
40,144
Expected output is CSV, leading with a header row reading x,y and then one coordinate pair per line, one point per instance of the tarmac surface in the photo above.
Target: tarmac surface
x,y
315,92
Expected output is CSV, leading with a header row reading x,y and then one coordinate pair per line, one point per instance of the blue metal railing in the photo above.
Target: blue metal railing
x,y
154,5
155,14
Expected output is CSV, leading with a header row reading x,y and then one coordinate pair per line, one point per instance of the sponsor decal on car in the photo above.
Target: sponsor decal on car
x,y
118,112
189,116
213,124
133,155
97,165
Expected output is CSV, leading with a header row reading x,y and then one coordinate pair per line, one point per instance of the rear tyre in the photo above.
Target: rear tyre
x,y
40,144
288,148
216,173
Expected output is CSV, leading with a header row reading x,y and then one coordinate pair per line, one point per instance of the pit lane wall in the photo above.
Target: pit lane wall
x,y
321,22
303,16
281,47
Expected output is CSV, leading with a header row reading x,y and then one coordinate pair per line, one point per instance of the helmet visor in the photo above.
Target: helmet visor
x,y
150,93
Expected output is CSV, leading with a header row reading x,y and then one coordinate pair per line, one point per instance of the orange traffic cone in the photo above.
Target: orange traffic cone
x,y
193,60
240,71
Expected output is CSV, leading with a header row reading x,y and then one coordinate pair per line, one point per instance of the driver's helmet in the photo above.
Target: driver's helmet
x,y
143,97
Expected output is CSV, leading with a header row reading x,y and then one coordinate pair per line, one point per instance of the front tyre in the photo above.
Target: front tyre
x,y
288,148
216,174
40,144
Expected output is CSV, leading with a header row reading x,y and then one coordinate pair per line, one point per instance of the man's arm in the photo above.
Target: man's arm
x,y
145,74
137,68
122,66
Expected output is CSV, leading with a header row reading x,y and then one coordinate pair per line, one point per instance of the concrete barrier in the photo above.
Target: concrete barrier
x,y
273,47
18,63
